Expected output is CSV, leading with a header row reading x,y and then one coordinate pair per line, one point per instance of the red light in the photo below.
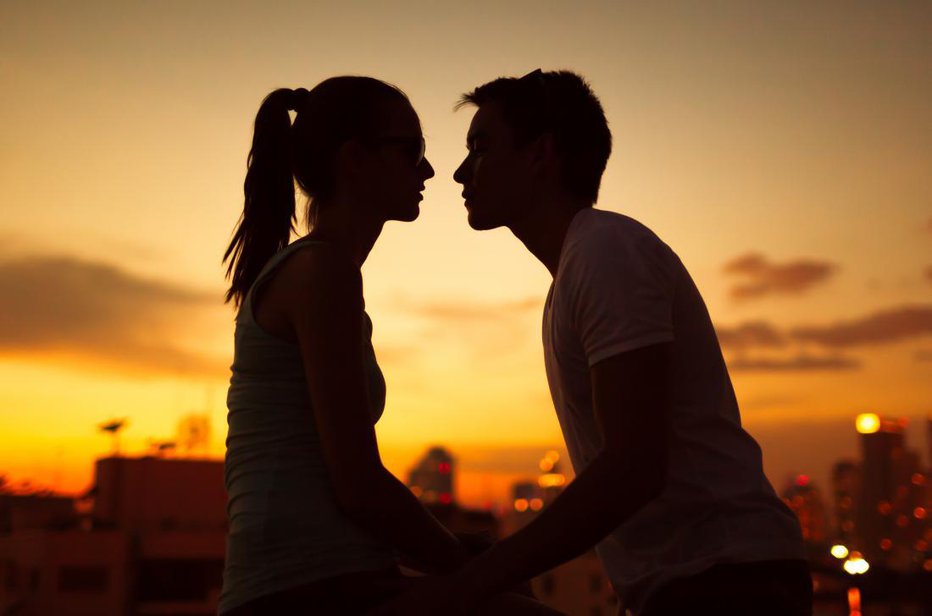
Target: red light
x,y
802,480
444,467
446,499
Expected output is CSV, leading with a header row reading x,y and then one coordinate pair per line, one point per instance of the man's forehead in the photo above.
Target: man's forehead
x,y
487,121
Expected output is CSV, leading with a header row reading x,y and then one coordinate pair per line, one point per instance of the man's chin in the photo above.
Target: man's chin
x,y
480,223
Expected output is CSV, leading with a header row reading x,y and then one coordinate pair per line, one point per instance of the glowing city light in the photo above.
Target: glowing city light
x,y
839,551
802,480
536,504
521,504
551,480
867,423
854,602
919,513
856,565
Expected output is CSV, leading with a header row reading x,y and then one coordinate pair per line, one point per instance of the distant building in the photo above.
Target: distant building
x,y
806,502
579,586
846,486
432,478
152,543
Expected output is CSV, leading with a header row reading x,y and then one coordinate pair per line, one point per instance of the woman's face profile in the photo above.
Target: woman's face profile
x,y
399,168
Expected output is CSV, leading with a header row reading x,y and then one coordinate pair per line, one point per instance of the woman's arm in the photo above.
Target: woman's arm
x,y
324,304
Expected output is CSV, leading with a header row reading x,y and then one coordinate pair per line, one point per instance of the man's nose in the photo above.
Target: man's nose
x,y
460,175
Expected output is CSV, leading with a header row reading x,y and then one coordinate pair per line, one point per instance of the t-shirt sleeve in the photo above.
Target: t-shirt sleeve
x,y
620,294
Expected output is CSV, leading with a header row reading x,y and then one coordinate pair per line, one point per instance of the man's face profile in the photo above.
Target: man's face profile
x,y
494,174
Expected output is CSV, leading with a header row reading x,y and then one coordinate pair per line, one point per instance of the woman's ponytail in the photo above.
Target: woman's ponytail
x,y
268,217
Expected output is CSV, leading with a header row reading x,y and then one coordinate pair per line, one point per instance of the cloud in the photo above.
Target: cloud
x,y
764,278
486,330
923,355
892,325
753,334
798,363
96,314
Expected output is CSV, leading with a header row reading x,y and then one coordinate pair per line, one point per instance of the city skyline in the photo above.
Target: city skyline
x,y
778,149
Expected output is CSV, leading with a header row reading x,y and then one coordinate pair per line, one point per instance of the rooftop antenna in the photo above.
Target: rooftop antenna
x,y
114,427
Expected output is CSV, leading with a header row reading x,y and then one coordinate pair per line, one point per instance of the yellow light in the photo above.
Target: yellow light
x,y
551,480
839,551
521,504
546,465
856,566
867,423
552,455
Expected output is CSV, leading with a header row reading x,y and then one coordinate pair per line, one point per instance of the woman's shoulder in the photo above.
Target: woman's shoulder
x,y
316,266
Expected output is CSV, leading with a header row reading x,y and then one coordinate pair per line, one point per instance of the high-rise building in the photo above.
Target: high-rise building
x,y
891,516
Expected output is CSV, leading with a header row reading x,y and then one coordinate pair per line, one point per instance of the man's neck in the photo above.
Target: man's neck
x,y
543,232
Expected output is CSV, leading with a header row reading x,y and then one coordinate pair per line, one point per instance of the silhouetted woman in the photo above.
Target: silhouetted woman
x,y
315,520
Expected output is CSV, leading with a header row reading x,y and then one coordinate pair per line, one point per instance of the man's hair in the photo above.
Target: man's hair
x,y
560,103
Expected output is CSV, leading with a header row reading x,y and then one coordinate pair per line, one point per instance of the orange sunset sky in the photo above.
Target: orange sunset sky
x,y
781,148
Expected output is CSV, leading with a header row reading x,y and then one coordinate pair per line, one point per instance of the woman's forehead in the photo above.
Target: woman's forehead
x,y
402,119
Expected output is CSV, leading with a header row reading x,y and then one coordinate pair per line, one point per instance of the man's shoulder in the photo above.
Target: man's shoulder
x,y
601,234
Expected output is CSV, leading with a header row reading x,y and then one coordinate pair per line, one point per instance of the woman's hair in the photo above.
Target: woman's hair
x,y
336,111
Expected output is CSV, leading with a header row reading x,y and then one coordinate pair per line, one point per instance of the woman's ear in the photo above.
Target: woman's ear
x,y
352,159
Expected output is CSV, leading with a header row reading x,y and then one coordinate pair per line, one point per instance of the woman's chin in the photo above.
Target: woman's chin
x,y
409,215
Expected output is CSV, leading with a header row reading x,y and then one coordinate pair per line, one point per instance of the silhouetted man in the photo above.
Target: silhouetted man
x,y
669,487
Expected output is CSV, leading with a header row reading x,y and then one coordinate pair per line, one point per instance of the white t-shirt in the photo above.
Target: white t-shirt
x,y
618,287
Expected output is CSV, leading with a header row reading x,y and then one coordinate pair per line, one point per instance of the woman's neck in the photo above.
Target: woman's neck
x,y
355,234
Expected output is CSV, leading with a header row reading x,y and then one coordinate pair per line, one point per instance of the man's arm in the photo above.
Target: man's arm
x,y
631,397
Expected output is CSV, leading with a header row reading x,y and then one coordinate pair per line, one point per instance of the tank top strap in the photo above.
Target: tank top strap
x,y
271,265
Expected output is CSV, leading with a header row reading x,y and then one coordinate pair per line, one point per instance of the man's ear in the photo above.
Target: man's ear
x,y
544,154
